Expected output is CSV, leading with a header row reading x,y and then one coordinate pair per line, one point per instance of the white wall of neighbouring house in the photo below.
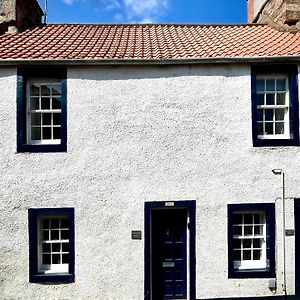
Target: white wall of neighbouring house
x,y
138,134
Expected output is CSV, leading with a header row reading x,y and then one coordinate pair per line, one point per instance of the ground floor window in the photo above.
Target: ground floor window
x,y
251,240
51,244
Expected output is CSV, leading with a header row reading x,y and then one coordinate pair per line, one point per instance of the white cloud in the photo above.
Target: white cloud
x,y
130,11
69,2
110,4
145,9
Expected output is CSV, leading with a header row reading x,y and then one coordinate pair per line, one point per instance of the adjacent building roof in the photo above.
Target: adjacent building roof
x,y
90,42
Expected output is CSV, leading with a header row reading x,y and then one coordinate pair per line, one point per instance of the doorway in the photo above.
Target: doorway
x,y
170,250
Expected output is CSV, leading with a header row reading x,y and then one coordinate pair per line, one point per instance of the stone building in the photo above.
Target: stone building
x,y
149,162
281,14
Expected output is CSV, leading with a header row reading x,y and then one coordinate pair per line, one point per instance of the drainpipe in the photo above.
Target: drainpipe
x,y
280,172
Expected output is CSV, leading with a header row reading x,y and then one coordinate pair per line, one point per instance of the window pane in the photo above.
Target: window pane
x,y
35,133
46,133
46,259
56,133
65,234
247,255
247,243
45,102
56,259
279,114
270,85
54,223
257,218
46,248
237,230
65,258
56,247
260,85
248,219
260,115
34,90
279,128
56,119
56,104
269,114
45,90
54,234
260,98
178,253
35,119
256,254
45,235
256,243
64,223
34,103
237,255
237,244
237,219
56,89
281,84
65,247
46,119
260,129
270,99
258,230
248,230
269,128
281,99
46,223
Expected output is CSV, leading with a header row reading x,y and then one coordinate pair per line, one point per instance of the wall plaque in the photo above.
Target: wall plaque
x,y
289,232
136,234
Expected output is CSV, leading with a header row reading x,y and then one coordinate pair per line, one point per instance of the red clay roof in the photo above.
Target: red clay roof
x,y
122,42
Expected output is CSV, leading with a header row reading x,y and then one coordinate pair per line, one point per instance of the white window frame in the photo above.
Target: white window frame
x,y
61,268
252,264
286,107
29,111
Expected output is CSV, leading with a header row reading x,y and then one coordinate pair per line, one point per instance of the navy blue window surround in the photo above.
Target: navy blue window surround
x,y
40,73
34,217
269,211
292,73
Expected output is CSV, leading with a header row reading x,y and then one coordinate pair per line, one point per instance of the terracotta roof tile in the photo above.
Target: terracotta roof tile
x,y
83,41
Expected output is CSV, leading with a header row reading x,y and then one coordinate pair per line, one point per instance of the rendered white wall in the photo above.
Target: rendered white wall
x,y
134,135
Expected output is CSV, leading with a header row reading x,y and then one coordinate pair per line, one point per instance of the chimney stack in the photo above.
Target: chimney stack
x,y
18,15
281,14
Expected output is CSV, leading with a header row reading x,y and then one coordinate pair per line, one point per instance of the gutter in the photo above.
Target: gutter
x,y
147,62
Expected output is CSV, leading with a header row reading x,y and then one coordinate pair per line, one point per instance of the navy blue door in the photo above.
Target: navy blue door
x,y
169,248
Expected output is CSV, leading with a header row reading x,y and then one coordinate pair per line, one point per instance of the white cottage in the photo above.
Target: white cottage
x,y
149,162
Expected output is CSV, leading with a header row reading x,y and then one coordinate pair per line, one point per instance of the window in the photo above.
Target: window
x,y
251,240
41,110
51,245
275,106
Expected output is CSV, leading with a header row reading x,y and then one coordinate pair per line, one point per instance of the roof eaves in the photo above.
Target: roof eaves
x,y
179,61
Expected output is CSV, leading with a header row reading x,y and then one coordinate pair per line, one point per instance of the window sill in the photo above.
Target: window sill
x,y
275,142
67,278
42,148
254,273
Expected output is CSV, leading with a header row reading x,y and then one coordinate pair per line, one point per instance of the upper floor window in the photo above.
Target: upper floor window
x,y
42,124
275,107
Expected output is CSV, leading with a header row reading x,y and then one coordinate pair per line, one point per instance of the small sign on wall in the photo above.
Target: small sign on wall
x,y
136,234
289,232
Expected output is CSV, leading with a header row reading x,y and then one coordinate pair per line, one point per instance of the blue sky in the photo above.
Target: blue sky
x,y
147,11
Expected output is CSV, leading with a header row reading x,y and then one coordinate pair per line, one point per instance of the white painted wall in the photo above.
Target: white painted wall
x,y
258,4
134,135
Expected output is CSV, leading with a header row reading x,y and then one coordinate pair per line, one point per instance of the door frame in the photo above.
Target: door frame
x,y
190,205
297,245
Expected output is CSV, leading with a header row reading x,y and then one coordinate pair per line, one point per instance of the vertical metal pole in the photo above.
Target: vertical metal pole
x,y
283,237
46,11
